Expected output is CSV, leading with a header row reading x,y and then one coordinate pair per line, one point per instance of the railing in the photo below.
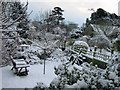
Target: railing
x,y
96,55
99,55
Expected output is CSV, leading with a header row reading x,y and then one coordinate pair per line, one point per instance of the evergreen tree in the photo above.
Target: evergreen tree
x,y
57,15
17,10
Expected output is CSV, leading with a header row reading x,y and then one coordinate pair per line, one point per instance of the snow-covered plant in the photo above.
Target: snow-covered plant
x,y
10,19
87,77
66,75
80,46
40,86
90,77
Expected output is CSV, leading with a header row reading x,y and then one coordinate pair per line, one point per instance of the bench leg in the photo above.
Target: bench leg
x,y
19,70
16,70
26,70
12,68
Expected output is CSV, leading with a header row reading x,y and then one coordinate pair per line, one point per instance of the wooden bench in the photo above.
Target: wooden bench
x,y
20,67
19,70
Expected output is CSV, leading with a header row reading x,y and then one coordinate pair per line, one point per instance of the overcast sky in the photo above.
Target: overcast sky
x,y
74,10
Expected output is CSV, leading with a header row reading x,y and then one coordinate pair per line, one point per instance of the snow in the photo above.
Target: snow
x,y
35,75
61,67
0,78
58,55
35,72
24,45
112,75
35,49
20,62
97,58
80,84
58,30
100,31
55,82
81,43
84,75
42,85
104,82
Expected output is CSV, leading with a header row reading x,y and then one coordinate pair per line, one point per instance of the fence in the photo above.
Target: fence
x,y
99,55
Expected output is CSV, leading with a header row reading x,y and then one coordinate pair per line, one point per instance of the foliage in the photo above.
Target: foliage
x,y
70,42
103,17
100,64
89,77
94,77
12,15
66,76
17,10
117,45
71,26
40,86
56,17
80,46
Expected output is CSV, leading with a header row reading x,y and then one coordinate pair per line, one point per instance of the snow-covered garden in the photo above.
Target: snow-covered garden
x,y
49,54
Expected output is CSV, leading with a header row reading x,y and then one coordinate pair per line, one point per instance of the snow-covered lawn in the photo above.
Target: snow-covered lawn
x,y
10,80
0,78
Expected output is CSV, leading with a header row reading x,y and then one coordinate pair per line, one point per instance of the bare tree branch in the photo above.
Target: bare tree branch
x,y
7,19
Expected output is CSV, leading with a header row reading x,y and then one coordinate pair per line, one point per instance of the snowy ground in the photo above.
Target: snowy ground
x,y
0,78
35,75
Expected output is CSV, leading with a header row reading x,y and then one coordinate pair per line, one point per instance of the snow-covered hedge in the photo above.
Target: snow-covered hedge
x,y
89,77
80,46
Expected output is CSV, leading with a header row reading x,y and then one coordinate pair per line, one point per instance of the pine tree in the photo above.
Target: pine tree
x,y
18,9
57,15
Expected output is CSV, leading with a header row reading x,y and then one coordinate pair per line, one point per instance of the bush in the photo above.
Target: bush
x,y
40,86
117,45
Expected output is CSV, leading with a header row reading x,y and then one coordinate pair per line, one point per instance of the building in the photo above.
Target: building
x,y
119,8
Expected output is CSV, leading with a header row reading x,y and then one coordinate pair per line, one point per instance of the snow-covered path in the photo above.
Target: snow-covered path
x,y
0,78
10,80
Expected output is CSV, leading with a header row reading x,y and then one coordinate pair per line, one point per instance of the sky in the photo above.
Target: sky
x,y
74,10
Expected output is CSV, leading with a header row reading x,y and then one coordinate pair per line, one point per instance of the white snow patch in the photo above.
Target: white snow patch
x,y
81,43
0,78
35,75
80,84
112,75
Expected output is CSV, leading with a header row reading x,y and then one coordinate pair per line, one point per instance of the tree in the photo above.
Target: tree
x,y
17,10
43,20
10,19
57,15
100,41
100,13
87,21
13,12
117,44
